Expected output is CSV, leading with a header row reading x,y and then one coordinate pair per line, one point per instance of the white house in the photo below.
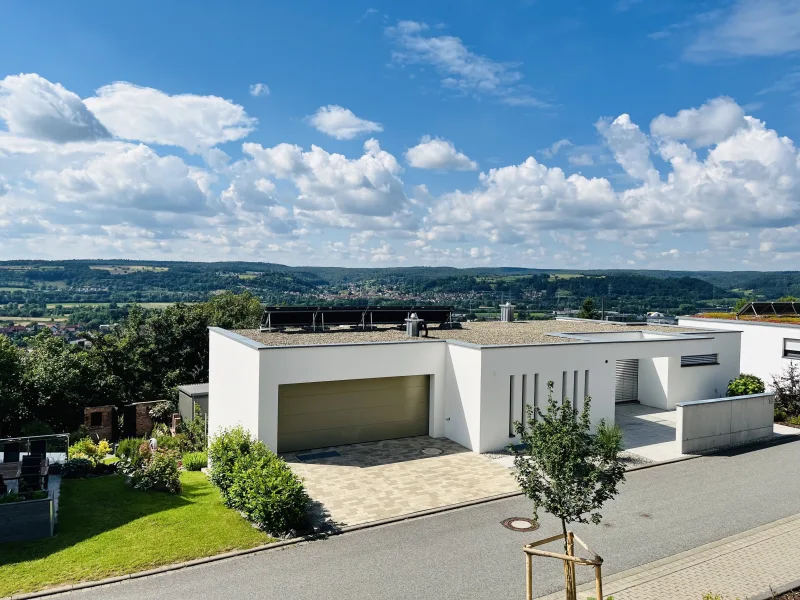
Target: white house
x,y
306,390
767,348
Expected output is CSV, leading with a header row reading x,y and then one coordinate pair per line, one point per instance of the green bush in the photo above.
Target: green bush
x,y
128,447
194,461
86,448
195,432
745,385
610,436
257,482
76,468
158,472
15,497
223,452
170,442
267,491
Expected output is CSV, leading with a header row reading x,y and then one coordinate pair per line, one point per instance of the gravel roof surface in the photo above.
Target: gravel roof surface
x,y
487,333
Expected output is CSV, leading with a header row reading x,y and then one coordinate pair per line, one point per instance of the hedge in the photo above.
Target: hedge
x,y
257,482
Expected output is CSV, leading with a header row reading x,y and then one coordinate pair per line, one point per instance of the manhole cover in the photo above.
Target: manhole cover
x,y
431,451
520,524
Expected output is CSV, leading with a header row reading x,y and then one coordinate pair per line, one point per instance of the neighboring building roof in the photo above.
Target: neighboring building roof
x,y
194,389
489,333
766,309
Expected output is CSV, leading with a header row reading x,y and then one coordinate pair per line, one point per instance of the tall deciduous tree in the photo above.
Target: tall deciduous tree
x,y
10,384
588,310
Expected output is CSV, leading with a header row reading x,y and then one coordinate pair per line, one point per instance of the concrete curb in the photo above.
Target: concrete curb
x,y
781,589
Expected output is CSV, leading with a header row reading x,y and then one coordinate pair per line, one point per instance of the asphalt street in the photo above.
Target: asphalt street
x,y
466,553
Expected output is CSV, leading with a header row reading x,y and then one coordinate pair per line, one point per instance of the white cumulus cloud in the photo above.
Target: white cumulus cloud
x,y
436,153
713,122
34,107
341,123
149,115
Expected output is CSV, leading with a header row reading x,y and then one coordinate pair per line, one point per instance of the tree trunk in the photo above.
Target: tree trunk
x,y
569,567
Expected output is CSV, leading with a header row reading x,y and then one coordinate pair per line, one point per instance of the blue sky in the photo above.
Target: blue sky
x,y
619,134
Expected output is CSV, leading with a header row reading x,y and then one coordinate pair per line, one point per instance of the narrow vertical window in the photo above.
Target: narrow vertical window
x,y
535,396
563,385
524,416
586,383
575,389
511,406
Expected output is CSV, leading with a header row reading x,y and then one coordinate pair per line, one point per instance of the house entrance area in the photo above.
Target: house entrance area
x,y
360,483
648,431
627,381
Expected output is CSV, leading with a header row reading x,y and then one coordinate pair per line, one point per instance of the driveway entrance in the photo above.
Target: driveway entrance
x,y
359,483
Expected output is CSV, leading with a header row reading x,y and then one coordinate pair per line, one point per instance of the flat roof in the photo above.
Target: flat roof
x,y
194,389
481,333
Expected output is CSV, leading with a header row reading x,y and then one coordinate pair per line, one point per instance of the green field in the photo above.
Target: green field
x,y
127,270
27,320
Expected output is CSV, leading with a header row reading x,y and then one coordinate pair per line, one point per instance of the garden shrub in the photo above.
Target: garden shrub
x,y
745,385
128,447
194,461
75,468
787,391
158,471
160,430
257,482
163,411
195,432
267,491
87,449
225,448
15,497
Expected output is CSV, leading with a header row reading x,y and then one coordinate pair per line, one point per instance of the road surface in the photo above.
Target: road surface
x,y
467,553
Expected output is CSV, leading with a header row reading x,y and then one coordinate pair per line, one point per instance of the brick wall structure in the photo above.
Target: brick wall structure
x,y
105,430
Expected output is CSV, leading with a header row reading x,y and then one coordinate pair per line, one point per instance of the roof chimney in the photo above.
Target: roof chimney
x,y
507,312
413,325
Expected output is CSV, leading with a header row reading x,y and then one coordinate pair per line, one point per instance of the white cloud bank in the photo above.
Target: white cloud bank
x,y
709,181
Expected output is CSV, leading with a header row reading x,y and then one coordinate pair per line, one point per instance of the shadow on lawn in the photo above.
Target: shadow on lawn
x,y
90,507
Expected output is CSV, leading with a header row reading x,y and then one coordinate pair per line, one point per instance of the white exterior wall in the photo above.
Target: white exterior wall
x,y
233,382
654,381
306,364
687,384
549,362
761,344
470,392
463,395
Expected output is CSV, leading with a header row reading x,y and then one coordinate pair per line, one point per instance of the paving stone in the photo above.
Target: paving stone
x,y
390,478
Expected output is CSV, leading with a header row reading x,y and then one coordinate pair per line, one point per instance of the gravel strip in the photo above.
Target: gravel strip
x,y
488,333
634,460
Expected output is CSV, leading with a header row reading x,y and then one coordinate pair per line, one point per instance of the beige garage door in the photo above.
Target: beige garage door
x,y
330,413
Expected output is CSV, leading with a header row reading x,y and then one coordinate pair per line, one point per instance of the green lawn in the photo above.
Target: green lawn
x,y
107,528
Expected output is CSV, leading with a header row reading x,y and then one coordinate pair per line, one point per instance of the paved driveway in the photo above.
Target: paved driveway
x,y
378,480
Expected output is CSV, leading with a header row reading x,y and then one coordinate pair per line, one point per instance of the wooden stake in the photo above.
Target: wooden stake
x,y
528,577
598,582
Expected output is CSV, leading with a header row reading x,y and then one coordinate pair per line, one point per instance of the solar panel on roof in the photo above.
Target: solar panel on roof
x,y
313,317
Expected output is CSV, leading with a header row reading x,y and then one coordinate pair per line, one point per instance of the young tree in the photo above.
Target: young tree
x,y
787,391
564,468
588,311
